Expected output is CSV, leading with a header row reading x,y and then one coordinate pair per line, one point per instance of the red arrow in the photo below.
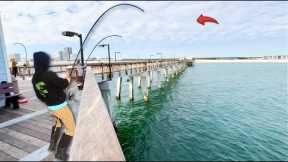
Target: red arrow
x,y
204,19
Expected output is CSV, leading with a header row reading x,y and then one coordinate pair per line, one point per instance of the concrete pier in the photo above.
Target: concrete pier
x,y
118,87
25,133
130,89
139,81
148,79
95,138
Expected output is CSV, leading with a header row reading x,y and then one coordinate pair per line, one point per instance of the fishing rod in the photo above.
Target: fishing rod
x,y
92,29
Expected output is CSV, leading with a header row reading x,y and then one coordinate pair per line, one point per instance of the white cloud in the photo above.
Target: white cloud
x,y
162,21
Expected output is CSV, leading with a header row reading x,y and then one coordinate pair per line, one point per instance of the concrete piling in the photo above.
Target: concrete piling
x,y
159,78
167,74
139,81
118,88
130,88
146,94
151,76
148,80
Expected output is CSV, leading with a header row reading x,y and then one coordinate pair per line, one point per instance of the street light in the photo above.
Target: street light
x,y
21,44
109,60
72,34
97,44
115,55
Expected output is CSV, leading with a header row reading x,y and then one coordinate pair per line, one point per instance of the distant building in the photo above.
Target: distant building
x,y
66,54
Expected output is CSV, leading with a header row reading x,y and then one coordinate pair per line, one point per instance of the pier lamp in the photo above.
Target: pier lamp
x,y
72,34
109,59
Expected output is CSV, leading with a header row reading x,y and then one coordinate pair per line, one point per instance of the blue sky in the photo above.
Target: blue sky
x,y
246,28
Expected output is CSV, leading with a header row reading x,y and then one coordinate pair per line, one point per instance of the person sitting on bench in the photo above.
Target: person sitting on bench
x,y
10,99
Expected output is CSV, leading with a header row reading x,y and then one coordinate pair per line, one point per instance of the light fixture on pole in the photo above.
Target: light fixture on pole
x,y
99,42
109,60
72,34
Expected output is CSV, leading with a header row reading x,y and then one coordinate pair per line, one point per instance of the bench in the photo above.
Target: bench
x,y
11,89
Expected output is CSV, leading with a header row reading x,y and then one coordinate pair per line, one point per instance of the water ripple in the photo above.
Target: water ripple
x,y
211,112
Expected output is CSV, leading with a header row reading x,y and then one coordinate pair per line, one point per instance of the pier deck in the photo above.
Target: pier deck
x,y
25,131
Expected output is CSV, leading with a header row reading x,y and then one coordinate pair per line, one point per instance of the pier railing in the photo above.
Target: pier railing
x,y
102,67
95,138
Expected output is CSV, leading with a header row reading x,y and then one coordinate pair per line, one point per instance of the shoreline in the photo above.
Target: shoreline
x,y
240,61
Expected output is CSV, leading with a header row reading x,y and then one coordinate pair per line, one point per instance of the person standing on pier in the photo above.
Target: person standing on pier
x,y
14,67
80,74
49,88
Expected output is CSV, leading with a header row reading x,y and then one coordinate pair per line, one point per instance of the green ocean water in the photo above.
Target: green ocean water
x,y
229,111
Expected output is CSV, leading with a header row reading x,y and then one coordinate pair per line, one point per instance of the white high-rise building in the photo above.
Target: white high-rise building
x,y
4,68
67,53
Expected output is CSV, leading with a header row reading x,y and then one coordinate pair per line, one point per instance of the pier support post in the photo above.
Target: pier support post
x,y
151,76
126,70
159,78
118,88
139,81
148,80
166,74
102,71
146,94
130,88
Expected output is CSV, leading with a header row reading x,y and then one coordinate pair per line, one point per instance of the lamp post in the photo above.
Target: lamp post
x,y
97,44
72,34
92,29
115,55
109,60
21,44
